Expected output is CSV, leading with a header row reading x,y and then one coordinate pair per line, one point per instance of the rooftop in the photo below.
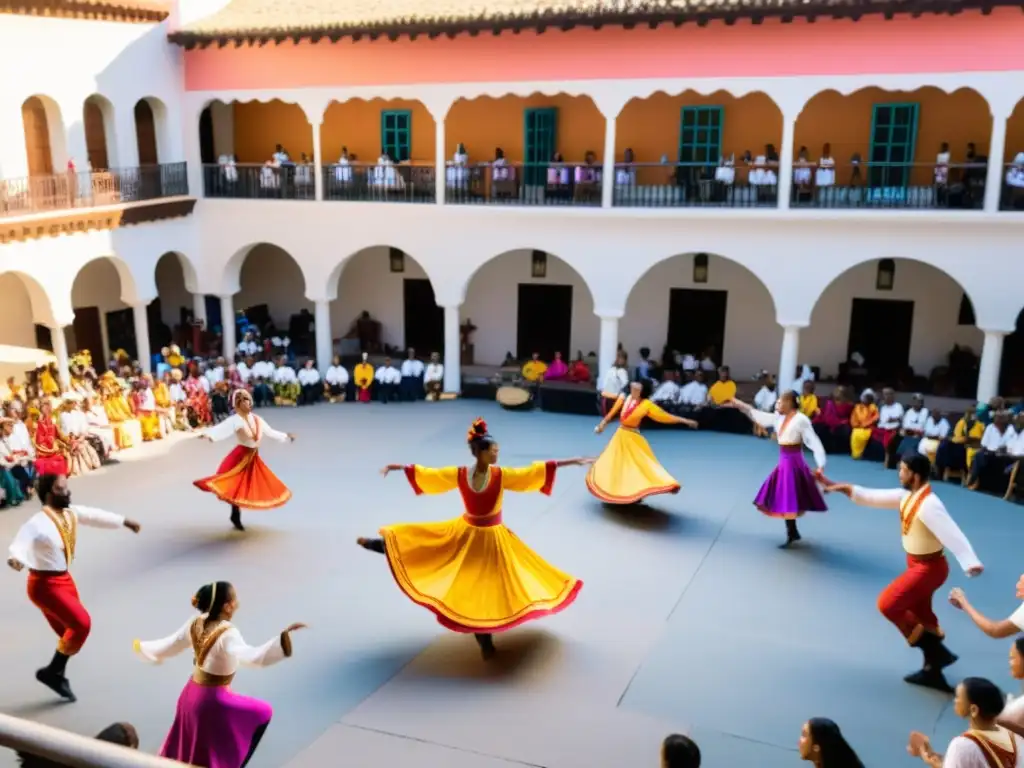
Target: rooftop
x,y
140,11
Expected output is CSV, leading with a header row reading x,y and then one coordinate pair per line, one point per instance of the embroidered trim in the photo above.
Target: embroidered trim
x,y
67,528
994,755
911,505
203,644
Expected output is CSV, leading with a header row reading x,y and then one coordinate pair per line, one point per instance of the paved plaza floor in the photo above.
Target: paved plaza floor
x,y
691,619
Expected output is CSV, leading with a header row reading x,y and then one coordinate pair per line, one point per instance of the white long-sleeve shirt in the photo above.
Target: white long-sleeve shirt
x,y
74,423
890,416
615,381
992,439
309,376
667,392
11,455
337,376
794,429
177,392
248,348
694,393
39,546
932,512
263,369
434,372
285,375
215,375
412,369
915,420
764,400
225,655
248,431
936,430
388,375
21,441
964,753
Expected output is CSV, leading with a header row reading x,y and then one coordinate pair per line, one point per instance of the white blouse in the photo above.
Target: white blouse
x,y
388,375
615,380
794,429
993,439
890,416
309,376
285,375
249,433
412,369
964,753
337,375
765,399
39,546
434,372
937,430
915,419
227,653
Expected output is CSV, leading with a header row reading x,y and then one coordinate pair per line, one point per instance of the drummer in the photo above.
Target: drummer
x,y
533,372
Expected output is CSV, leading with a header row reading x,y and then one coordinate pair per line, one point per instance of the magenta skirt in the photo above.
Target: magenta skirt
x,y
214,727
790,489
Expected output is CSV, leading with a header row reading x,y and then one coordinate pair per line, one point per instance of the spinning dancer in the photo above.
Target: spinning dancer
x,y
626,471
45,544
214,726
242,479
790,489
472,572
928,529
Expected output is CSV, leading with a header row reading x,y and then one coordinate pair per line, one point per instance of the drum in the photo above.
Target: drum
x,y
513,398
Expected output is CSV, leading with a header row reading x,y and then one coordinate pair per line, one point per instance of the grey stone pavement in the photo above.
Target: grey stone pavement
x,y
690,619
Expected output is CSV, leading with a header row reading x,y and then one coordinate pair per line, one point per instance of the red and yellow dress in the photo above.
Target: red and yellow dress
x,y
242,479
627,471
51,458
472,572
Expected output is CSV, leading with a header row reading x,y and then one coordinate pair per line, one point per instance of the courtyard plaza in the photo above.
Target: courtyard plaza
x,y
690,620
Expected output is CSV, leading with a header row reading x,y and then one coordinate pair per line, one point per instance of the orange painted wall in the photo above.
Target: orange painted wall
x,y
845,123
356,124
486,123
259,127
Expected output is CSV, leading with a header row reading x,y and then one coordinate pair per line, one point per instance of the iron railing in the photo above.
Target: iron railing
x,y
255,181
923,186
694,185
531,184
88,189
70,749
380,183
1011,196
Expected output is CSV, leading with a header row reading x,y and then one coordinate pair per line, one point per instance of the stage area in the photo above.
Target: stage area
x,y
690,619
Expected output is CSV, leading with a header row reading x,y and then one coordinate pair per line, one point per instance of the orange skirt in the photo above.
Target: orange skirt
x,y
243,480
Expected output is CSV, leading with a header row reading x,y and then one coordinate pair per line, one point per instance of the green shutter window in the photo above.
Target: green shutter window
x,y
893,141
539,143
700,137
396,134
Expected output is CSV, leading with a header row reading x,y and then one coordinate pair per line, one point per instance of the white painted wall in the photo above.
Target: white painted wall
x,y
16,325
270,276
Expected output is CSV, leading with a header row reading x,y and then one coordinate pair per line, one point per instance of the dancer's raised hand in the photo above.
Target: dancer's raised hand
x,y
390,468
291,437
957,598
295,628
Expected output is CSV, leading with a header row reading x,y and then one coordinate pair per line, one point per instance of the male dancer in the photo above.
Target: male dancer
x,y
928,530
45,544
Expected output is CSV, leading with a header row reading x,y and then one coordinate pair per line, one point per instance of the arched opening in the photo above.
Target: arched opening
x,y
692,149
905,149
256,149
100,133
398,297
528,301
145,133
1012,177
44,135
273,297
707,306
529,131
172,312
1011,371
24,317
356,135
104,322
904,318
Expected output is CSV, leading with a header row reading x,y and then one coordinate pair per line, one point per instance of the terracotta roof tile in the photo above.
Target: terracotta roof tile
x,y
118,10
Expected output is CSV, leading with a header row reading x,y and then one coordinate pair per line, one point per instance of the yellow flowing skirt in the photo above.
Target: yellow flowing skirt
x,y
627,471
475,579
127,434
150,423
859,439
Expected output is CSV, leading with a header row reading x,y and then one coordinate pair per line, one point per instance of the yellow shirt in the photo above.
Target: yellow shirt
x,y
534,370
960,430
722,391
362,374
809,405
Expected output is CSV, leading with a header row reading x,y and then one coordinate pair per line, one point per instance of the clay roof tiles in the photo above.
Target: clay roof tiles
x,y
144,11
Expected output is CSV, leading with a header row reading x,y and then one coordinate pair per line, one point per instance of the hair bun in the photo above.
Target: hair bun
x,y
477,430
195,601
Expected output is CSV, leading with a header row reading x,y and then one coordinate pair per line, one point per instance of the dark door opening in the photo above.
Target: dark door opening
x,y
424,320
121,332
206,150
44,338
544,323
89,335
1011,371
696,322
880,330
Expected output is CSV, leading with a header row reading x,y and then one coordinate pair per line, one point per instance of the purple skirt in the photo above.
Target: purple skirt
x,y
790,489
214,727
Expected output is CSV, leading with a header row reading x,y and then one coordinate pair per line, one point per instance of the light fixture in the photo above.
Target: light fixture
x,y
700,268
397,260
886,278
539,266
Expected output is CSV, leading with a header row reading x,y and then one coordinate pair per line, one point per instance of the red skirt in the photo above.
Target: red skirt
x,y
51,465
243,480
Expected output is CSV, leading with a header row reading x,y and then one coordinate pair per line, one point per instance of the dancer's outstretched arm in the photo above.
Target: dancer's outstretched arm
x,y
656,413
539,476
273,434
612,413
761,418
425,479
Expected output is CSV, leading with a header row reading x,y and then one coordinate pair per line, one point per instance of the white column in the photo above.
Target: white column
x,y
608,345
991,360
199,309
142,336
324,340
789,357
440,161
318,178
452,351
786,165
227,326
994,177
60,350
608,169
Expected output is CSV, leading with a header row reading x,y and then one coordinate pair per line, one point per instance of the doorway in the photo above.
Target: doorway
x,y
880,330
424,320
696,322
207,156
121,332
544,322
89,335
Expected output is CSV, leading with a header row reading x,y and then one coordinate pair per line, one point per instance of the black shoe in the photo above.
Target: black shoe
x,y
929,678
236,519
487,649
56,683
936,655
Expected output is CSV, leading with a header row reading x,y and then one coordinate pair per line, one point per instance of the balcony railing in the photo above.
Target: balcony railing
x,y
380,183
1012,193
255,181
530,184
88,189
694,185
922,186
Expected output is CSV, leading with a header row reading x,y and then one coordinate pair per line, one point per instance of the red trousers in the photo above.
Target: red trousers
x,y
56,595
907,602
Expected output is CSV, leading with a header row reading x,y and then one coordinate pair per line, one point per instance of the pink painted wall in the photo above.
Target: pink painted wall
x,y
826,47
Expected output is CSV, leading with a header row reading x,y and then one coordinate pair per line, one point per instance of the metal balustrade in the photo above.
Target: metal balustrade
x,y
921,186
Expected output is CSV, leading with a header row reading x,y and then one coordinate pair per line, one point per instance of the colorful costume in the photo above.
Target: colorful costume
x,y
242,479
362,374
144,406
472,572
213,726
127,430
791,488
50,454
197,401
627,471
863,419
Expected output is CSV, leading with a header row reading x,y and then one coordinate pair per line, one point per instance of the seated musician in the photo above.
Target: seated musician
x,y
362,374
579,371
433,377
988,470
534,369
336,381
558,370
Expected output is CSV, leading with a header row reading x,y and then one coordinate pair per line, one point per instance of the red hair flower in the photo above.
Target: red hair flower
x,y
476,430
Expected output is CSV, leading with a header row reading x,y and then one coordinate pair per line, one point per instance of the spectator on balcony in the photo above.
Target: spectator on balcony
x,y
678,751
228,168
725,173
343,169
559,178
802,168
1015,182
304,172
975,170
823,744
942,167
385,175
625,174
500,170
457,173
280,156
763,174
269,179
825,176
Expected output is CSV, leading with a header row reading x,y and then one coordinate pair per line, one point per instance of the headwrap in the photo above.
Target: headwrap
x,y
477,430
240,394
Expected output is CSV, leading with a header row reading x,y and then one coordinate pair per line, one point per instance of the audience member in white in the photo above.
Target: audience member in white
x,y
825,176
991,461
433,377
890,420
764,401
1015,175
99,426
667,393
309,380
912,428
82,456
286,383
935,431
249,346
215,373
688,362
985,743
14,457
695,392
262,378
411,387
337,380
615,381
244,369
388,378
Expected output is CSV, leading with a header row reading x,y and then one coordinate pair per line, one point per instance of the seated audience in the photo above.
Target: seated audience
x,y
579,371
411,386
645,366
722,418
678,751
534,369
261,379
822,743
388,378
694,395
863,419
808,400
988,470
832,424
74,433
915,419
724,389
764,400
362,374
955,454
286,383
336,381
935,431
433,377
144,404
558,370
51,458
12,487
220,401
311,386
615,381
666,394
890,419
16,452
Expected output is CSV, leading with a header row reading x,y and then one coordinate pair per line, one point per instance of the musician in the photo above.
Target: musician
x,y
388,380
433,378
411,386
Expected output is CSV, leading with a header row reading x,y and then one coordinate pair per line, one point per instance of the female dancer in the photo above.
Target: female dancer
x,y
791,488
214,726
822,743
626,471
472,572
242,479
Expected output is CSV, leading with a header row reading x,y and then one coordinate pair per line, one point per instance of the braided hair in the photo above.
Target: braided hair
x,y
478,437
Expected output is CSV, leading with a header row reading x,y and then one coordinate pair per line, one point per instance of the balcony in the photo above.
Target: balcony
x,y
917,186
528,184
